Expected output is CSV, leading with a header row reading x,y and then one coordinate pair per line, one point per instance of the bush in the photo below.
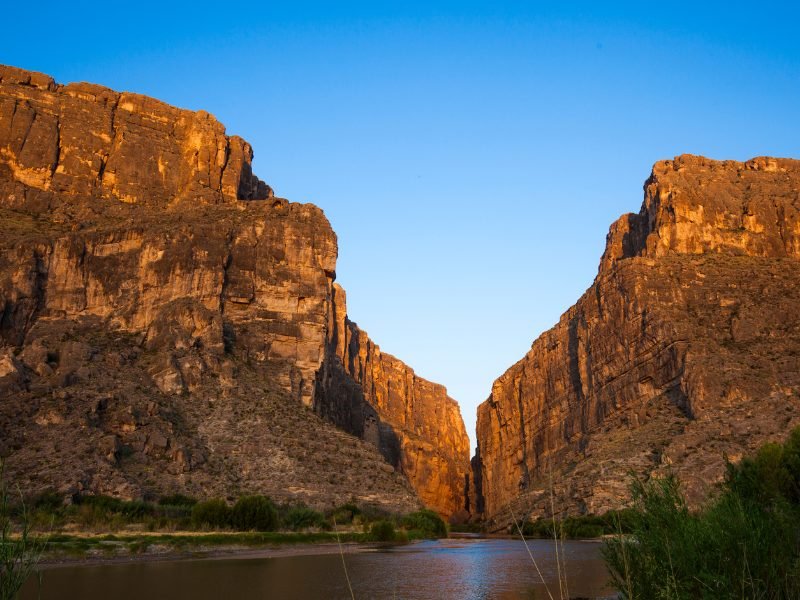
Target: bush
x,y
427,522
345,514
106,506
744,544
254,513
302,517
50,501
212,513
382,531
177,500
19,554
580,527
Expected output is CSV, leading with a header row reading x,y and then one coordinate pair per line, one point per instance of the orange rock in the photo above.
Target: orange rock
x,y
685,348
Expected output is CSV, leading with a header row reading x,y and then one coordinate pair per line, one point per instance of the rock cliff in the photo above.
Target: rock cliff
x,y
415,424
164,319
685,349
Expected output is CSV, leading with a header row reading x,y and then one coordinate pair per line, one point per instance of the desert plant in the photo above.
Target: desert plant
x,y
254,513
345,514
211,513
382,531
177,500
427,522
301,517
19,554
744,544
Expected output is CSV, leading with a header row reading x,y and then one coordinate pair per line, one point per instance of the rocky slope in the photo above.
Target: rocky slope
x,y
685,349
165,319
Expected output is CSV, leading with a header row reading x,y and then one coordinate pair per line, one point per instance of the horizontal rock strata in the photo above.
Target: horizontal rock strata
x,y
416,425
685,349
164,318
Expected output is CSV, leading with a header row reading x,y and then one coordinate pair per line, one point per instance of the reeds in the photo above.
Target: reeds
x,y
19,554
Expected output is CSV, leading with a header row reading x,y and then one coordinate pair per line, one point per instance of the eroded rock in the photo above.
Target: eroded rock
x,y
685,349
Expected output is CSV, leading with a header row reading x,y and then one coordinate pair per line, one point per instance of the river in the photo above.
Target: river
x,y
457,569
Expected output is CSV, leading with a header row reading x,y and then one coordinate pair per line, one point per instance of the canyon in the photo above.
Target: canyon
x,y
169,325
683,353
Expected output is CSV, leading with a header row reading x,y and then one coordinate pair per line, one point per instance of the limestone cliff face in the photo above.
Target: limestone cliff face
x,y
415,424
64,141
685,348
163,317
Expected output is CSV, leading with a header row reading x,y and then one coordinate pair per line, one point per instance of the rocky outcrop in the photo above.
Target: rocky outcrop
x,y
685,349
415,424
60,142
164,318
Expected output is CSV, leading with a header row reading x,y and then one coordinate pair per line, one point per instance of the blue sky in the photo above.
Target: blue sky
x,y
470,156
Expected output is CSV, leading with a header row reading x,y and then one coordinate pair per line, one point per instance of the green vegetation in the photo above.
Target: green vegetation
x,y
425,524
297,518
177,500
113,527
214,513
19,551
744,544
382,531
581,527
254,513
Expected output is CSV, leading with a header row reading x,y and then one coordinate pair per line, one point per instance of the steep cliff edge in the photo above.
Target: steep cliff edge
x,y
163,317
686,348
415,424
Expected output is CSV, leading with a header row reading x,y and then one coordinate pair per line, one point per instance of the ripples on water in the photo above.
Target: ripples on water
x,y
458,569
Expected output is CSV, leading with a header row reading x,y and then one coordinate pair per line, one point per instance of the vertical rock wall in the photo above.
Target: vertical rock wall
x,y
159,306
415,424
685,348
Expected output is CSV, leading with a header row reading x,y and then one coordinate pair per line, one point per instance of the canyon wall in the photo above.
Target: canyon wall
x,y
164,318
414,423
685,350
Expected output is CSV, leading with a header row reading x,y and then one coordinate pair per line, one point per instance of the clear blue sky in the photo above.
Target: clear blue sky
x,y
469,155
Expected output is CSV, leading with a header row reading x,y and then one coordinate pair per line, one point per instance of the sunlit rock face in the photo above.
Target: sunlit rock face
x,y
164,319
59,142
414,423
685,349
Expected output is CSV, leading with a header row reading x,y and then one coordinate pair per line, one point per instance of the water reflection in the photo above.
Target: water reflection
x,y
471,569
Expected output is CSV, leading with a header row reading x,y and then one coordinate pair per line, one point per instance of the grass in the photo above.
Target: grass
x,y
745,543
581,527
106,526
20,551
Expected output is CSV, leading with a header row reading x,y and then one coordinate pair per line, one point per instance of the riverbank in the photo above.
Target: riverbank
x,y
424,570
129,547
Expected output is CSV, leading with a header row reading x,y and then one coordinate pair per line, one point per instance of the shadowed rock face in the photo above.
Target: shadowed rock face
x,y
415,424
686,348
164,318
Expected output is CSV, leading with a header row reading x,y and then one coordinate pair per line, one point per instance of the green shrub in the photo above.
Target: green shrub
x,y
254,513
580,527
345,514
382,531
177,500
106,507
20,553
302,517
49,501
212,513
743,544
427,522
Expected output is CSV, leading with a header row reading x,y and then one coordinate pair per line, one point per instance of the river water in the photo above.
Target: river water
x,y
457,569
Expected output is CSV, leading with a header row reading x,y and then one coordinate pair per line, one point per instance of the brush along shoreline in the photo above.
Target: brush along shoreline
x,y
123,548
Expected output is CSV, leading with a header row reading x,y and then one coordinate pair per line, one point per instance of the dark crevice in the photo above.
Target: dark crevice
x,y
54,166
525,476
